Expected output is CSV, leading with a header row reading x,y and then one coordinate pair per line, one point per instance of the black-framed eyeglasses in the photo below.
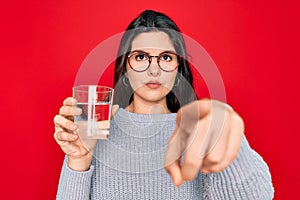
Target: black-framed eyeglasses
x,y
140,61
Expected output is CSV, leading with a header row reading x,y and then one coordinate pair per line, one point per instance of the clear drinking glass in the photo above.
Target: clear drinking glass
x,y
96,104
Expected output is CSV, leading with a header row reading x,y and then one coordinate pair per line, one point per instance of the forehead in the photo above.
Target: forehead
x,y
152,40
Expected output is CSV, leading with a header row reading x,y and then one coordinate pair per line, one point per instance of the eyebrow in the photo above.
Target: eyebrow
x,y
143,51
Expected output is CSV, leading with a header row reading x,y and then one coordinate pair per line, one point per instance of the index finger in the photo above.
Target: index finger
x,y
70,101
172,158
196,146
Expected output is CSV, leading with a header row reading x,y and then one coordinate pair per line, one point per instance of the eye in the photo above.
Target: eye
x,y
166,57
141,57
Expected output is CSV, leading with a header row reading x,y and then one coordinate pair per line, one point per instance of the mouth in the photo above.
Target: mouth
x,y
153,84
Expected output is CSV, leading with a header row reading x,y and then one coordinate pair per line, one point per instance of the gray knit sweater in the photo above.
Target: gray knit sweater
x,y
129,165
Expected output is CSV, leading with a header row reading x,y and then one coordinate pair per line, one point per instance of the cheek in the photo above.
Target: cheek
x,y
170,80
135,80
131,77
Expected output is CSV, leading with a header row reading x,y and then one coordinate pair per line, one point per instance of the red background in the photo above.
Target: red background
x,y
255,45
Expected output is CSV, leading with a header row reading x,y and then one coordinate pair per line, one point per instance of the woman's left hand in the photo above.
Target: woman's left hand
x,y
208,137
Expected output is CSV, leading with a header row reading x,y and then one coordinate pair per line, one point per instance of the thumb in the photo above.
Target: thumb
x,y
114,109
172,158
174,171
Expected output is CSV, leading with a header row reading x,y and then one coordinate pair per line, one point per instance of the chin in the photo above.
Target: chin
x,y
153,96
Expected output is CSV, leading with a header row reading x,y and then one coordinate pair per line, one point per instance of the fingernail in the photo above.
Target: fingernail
x,y
74,137
177,183
73,127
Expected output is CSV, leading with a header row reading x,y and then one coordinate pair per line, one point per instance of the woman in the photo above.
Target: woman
x,y
158,109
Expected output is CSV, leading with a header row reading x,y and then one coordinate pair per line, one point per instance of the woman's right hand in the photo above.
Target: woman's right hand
x,y
79,153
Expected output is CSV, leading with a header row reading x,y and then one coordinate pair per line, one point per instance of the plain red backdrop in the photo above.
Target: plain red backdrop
x,y
255,45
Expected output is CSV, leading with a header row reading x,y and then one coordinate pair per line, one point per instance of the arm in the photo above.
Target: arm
x,y
74,184
75,179
77,170
248,177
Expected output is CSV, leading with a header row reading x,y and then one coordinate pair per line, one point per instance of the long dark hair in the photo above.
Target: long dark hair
x,y
182,91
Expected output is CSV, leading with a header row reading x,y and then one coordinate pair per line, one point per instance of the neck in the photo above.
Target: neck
x,y
142,107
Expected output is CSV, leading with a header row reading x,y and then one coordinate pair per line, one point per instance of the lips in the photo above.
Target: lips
x,y
153,84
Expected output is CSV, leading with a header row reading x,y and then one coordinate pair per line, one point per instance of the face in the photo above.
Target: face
x,y
152,85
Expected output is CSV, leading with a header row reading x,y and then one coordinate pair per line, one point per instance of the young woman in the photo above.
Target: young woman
x,y
163,142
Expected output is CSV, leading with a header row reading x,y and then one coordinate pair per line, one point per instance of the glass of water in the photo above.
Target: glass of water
x,y
95,103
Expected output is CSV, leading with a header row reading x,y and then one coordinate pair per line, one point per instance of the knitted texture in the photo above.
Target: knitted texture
x,y
129,165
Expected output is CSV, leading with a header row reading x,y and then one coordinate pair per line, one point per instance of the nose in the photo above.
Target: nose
x,y
154,69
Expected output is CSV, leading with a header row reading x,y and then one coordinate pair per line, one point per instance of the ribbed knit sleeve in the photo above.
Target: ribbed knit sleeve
x,y
246,178
74,185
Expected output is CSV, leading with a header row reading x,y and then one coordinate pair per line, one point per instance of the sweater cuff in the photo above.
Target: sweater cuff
x,y
248,177
74,184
